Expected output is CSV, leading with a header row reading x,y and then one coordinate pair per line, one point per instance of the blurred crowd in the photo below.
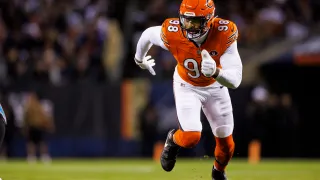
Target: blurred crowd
x,y
52,42
57,42
63,42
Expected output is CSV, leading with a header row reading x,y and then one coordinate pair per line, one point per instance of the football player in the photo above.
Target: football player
x,y
3,121
208,63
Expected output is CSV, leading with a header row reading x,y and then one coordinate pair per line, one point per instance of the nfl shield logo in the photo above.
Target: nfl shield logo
x,y
213,53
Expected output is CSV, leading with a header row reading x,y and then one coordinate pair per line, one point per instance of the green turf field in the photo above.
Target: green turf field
x,y
195,169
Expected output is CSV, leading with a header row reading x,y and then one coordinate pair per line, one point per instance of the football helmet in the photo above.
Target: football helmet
x,y
196,17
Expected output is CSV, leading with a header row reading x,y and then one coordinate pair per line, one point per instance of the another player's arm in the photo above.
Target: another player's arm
x,y
231,73
3,122
151,36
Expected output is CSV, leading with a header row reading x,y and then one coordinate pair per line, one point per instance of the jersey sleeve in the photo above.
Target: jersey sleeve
x,y
231,34
149,37
164,33
170,32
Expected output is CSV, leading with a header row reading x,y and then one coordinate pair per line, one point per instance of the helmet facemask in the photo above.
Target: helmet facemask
x,y
194,27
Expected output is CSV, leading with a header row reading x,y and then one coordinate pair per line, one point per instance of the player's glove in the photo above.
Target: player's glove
x,y
208,65
146,63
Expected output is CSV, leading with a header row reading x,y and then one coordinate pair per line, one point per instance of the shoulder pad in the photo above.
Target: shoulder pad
x,y
228,29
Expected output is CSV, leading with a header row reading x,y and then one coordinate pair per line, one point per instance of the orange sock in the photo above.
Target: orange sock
x,y
223,152
186,139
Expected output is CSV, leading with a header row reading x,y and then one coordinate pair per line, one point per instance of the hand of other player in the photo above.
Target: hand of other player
x,y
208,65
146,63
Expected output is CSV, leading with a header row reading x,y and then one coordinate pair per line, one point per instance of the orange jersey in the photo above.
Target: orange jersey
x,y
221,35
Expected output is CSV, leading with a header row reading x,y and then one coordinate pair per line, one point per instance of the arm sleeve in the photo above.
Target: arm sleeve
x,y
149,37
231,73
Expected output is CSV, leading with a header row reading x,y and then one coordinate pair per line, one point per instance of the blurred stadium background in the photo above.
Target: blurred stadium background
x,y
69,81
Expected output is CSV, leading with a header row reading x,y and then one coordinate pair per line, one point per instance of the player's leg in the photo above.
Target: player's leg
x,y
43,147
218,110
32,144
188,111
44,152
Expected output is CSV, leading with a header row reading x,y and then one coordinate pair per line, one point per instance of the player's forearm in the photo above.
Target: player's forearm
x,y
231,73
149,37
143,46
230,78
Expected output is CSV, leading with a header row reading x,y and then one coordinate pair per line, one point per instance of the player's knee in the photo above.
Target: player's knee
x,y
187,139
223,131
226,145
229,147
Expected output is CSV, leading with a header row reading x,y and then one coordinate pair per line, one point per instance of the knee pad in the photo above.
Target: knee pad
x,y
223,131
187,139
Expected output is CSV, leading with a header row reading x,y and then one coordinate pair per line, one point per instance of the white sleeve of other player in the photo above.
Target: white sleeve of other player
x,y
149,37
231,73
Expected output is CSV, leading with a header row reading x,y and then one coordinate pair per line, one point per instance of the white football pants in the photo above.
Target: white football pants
x,y
214,100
